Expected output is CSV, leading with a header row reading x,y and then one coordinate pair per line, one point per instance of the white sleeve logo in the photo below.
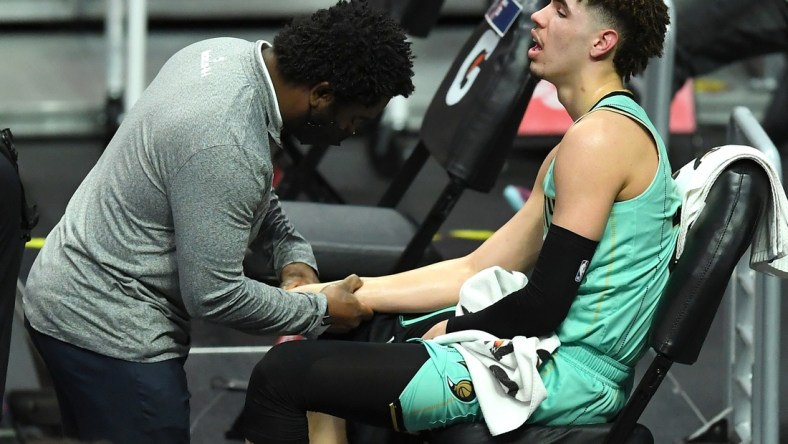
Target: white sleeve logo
x,y
205,62
581,271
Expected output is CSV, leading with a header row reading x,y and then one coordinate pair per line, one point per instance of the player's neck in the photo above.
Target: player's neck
x,y
579,97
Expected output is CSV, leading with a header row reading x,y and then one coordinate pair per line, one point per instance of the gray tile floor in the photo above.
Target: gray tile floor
x,y
51,81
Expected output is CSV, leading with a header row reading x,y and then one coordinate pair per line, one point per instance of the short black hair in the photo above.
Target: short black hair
x,y
641,25
363,53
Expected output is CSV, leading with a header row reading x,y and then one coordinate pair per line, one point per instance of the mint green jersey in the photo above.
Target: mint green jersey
x,y
606,329
616,300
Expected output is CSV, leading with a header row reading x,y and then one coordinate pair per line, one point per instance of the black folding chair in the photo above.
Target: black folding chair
x,y
715,243
468,129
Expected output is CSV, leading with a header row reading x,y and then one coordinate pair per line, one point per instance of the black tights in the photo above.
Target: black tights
x,y
350,380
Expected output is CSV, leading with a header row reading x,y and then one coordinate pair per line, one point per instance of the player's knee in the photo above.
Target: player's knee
x,y
279,373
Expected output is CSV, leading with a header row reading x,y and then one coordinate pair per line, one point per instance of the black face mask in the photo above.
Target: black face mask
x,y
315,133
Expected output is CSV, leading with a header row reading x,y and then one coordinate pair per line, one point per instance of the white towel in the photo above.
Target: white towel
x,y
769,251
504,371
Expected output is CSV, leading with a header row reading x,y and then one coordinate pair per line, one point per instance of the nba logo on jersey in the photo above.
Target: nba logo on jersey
x,y
502,15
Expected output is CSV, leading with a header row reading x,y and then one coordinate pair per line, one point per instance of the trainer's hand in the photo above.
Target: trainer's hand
x,y
296,274
438,329
345,309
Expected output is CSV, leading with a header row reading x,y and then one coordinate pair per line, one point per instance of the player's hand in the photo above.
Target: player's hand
x,y
344,309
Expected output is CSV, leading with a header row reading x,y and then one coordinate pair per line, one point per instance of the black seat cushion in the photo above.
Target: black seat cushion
x,y
364,240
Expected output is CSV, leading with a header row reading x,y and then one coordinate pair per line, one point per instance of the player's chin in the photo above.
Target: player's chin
x,y
535,70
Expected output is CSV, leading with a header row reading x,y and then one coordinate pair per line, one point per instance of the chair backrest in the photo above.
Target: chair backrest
x,y
473,118
715,243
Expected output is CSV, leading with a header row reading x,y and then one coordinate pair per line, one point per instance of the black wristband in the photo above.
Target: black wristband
x,y
540,307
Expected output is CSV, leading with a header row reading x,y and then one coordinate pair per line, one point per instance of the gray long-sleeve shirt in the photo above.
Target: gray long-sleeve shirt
x,y
156,233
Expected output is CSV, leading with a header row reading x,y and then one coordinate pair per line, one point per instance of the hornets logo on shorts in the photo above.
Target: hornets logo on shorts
x,y
463,389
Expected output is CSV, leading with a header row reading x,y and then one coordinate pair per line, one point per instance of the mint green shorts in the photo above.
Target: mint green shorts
x,y
441,393
583,387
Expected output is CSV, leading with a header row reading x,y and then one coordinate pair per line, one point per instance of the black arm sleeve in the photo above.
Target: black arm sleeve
x,y
538,308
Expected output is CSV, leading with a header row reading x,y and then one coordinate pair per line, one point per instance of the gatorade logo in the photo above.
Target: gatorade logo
x,y
471,67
